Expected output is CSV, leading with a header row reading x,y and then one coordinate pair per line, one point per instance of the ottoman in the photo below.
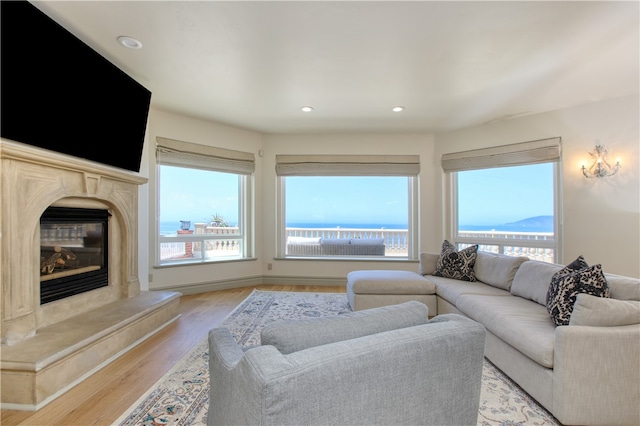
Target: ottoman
x,y
373,288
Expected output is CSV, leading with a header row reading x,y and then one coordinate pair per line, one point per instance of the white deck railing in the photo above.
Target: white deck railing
x,y
211,242
534,245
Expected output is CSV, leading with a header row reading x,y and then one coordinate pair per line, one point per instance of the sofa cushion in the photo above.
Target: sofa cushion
x,y
366,241
388,282
566,284
519,322
428,263
604,312
303,240
334,241
497,270
623,288
450,289
455,264
295,335
532,280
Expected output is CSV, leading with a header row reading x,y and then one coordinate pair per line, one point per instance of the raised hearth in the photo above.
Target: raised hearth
x,y
49,347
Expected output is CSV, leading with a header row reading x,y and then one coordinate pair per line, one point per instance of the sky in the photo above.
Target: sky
x,y
196,195
488,197
505,195
350,200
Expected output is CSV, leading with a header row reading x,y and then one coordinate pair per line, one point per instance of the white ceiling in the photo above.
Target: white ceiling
x,y
451,64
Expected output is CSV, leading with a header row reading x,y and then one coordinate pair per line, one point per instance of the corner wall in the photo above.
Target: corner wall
x,y
601,217
197,278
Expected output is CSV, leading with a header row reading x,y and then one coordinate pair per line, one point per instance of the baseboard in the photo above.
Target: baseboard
x,y
253,281
293,280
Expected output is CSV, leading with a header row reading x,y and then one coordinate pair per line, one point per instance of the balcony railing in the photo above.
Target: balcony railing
x,y
207,242
534,245
202,244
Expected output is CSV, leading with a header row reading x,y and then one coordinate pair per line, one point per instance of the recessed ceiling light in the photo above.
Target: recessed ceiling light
x,y
397,108
307,108
129,42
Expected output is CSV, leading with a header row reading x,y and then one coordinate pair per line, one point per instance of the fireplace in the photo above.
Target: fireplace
x,y
71,296
73,252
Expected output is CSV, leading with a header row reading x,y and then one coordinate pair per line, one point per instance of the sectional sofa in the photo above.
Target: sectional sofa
x,y
584,373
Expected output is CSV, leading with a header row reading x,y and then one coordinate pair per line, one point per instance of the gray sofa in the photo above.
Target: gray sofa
x,y
310,246
389,365
584,373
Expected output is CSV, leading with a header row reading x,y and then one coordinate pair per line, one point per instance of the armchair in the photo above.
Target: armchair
x,y
388,365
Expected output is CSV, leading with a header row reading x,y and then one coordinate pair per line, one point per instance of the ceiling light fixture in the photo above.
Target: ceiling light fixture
x,y
307,108
129,42
397,108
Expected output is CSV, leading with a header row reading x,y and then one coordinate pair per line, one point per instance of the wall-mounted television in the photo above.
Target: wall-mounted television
x,y
60,94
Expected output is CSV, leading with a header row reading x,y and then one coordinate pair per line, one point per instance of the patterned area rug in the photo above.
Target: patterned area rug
x,y
181,396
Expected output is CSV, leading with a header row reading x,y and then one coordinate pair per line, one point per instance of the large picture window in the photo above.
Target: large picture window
x,y
505,199
203,203
347,206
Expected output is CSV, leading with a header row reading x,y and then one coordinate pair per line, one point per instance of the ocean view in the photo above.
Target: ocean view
x,y
168,228
532,224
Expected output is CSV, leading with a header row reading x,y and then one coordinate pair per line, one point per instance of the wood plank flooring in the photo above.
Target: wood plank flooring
x,y
103,397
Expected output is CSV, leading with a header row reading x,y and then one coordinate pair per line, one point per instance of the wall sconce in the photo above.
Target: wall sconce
x,y
600,168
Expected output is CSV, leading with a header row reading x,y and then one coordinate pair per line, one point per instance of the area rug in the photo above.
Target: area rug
x,y
181,396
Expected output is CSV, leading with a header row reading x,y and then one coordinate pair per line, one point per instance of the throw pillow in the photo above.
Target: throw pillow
x,y
603,312
576,278
457,264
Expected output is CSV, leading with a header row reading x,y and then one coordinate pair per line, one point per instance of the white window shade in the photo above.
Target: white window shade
x,y
171,152
347,165
540,151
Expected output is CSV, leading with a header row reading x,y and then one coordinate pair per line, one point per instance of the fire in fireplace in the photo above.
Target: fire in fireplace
x,y
73,252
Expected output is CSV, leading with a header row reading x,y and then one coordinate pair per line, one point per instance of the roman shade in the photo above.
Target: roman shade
x,y
171,152
539,151
347,165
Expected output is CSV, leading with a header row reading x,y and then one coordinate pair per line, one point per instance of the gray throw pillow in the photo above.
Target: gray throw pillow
x,y
455,264
604,312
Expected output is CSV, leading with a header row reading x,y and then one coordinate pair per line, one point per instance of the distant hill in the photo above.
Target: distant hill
x,y
538,222
530,224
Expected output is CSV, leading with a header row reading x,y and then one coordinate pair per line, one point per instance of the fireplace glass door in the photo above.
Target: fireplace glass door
x,y
73,252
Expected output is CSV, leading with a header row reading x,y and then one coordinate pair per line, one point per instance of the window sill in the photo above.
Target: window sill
x,y
206,262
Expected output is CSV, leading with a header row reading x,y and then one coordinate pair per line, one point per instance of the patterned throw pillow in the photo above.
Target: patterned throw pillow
x,y
575,278
457,264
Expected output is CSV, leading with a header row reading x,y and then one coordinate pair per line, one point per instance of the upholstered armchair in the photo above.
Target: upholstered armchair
x,y
388,365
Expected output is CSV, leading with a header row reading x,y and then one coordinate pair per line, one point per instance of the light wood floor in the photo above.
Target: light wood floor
x,y
103,397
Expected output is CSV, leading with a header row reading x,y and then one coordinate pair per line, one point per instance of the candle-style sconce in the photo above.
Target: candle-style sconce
x,y
600,167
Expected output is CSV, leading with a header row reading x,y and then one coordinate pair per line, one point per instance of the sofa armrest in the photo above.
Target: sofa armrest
x,y
224,347
596,374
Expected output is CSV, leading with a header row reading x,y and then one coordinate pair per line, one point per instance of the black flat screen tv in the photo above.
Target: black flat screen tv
x,y
60,94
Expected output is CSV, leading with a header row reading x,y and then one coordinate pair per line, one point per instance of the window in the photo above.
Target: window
x,y
203,203
347,206
505,199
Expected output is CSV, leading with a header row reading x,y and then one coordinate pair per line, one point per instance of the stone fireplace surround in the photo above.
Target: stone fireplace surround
x,y
47,349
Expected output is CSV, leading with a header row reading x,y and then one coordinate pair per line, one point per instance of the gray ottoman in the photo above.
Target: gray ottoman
x,y
373,288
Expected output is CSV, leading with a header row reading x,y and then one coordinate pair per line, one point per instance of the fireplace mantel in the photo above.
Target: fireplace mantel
x,y
33,179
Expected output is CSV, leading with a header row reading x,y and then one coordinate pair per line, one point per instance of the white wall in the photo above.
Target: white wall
x,y
601,217
188,129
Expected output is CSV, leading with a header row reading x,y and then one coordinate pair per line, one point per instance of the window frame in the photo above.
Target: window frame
x,y
506,245
348,166
201,157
